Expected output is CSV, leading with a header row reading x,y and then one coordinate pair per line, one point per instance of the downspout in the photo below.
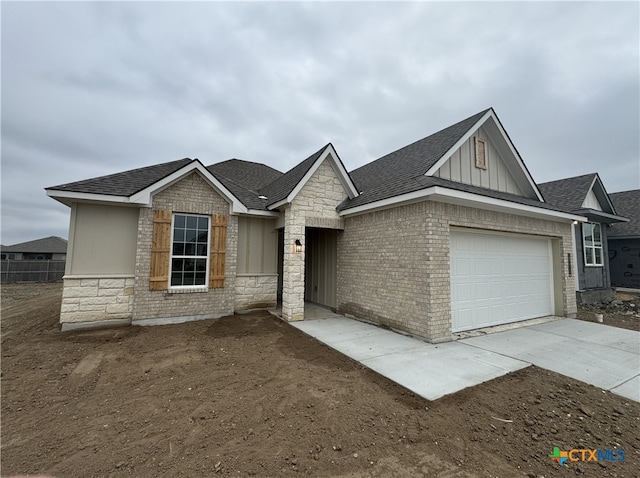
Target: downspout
x,y
576,276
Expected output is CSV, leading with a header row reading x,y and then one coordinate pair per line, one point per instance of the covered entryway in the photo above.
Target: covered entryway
x,y
499,278
320,266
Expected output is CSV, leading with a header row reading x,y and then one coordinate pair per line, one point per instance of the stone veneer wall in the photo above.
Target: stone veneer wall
x,y
314,205
256,291
191,194
393,264
96,299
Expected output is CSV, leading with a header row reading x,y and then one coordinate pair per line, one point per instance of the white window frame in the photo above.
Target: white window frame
x,y
204,286
593,246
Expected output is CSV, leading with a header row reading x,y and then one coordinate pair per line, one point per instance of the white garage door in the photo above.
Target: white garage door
x,y
497,279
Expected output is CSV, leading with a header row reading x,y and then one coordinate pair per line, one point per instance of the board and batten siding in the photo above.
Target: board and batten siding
x,y
257,246
591,201
461,167
102,240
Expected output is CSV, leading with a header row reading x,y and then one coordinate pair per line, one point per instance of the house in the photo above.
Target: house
x,y
447,234
624,241
47,248
586,195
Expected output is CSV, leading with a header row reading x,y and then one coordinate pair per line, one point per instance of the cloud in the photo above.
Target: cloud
x,y
99,87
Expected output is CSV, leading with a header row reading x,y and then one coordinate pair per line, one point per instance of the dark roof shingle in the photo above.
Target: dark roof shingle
x,y
395,173
125,183
46,245
281,187
568,193
627,204
244,179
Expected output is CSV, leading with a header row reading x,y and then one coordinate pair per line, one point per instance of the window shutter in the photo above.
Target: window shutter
x,y
218,250
160,245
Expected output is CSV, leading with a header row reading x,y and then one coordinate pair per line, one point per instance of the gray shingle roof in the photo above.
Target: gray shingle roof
x,y
398,172
46,245
281,187
424,182
244,179
126,183
568,193
627,204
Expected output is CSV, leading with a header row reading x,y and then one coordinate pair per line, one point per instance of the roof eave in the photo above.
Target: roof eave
x,y
438,193
144,197
601,216
68,198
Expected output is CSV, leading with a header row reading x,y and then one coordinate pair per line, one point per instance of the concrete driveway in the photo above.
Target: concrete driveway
x,y
604,356
600,355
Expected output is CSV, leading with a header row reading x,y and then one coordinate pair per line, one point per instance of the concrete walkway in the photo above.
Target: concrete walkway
x,y
603,356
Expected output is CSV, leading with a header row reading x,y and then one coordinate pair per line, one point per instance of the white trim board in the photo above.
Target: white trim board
x,y
489,115
438,193
328,153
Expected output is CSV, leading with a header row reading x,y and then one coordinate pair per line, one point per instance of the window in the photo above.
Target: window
x,y
189,251
592,241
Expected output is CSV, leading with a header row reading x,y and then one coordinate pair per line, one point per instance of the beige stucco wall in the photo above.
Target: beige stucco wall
x,y
257,246
314,206
102,240
393,264
194,195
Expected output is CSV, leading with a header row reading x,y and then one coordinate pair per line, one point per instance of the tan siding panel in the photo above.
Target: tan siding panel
x,y
103,240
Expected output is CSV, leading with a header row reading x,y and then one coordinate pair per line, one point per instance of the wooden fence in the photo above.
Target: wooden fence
x,y
31,271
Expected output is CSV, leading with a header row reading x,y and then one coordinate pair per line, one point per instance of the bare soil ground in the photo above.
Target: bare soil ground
x,y
248,395
623,312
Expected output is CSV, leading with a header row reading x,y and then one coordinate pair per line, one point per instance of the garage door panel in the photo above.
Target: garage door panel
x,y
497,279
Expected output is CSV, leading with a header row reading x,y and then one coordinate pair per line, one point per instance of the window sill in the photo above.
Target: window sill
x,y
188,290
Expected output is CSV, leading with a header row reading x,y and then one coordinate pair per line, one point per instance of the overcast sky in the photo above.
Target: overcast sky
x,y
96,88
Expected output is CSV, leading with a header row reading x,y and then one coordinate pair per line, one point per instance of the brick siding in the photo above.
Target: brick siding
x,y
194,195
393,264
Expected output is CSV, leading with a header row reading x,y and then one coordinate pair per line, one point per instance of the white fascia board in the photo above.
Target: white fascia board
x,y
437,193
344,177
68,197
445,157
471,132
515,154
603,192
278,204
144,196
260,212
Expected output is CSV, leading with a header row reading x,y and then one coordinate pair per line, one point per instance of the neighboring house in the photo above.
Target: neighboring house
x,y
447,234
47,248
624,241
586,195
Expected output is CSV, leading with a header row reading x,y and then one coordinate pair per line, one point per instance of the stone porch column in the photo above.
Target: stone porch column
x,y
293,266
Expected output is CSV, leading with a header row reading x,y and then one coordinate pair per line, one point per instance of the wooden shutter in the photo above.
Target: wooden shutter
x,y
160,245
218,250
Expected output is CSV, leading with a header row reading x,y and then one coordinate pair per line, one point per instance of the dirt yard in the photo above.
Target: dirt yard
x,y
249,395
623,312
